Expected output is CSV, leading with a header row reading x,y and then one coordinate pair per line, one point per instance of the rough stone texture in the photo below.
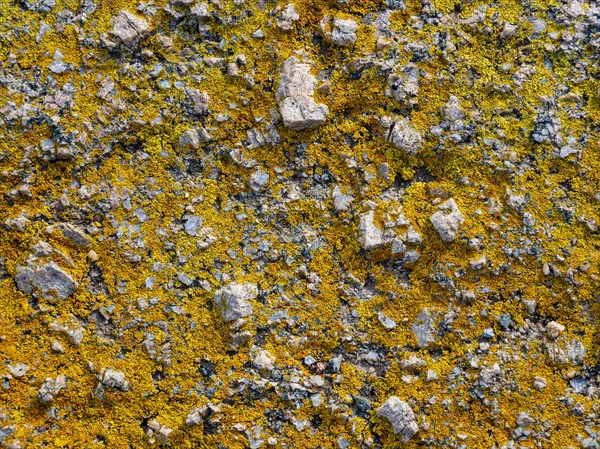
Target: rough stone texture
x,y
47,280
400,416
340,31
296,87
371,237
404,137
129,28
233,300
447,220
51,387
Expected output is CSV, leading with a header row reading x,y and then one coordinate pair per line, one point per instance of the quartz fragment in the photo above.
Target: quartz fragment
x,y
233,300
447,220
47,280
400,416
129,28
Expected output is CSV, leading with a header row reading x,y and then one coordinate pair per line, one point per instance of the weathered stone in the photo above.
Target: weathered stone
x,y
194,138
233,300
447,220
294,93
341,32
48,281
404,137
423,328
302,112
371,237
400,416
111,378
129,28
51,387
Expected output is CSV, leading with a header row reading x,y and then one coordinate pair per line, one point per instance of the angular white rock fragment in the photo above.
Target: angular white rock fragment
x,y
386,321
340,200
233,300
18,369
111,378
199,101
71,327
51,387
423,328
404,137
295,79
287,17
194,138
453,110
554,329
400,416
447,220
569,352
302,112
71,232
48,281
129,28
263,360
342,32
297,107
371,237
192,225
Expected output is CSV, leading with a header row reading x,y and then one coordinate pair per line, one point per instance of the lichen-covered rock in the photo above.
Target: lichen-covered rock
x,y
400,416
339,31
404,137
423,328
447,220
234,300
51,387
371,236
129,28
298,109
302,112
110,378
194,138
47,281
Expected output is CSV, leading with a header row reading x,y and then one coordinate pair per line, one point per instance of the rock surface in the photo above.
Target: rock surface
x,y
400,416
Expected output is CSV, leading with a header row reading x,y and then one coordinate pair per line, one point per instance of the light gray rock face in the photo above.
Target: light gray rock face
x,y
288,16
423,328
296,87
47,281
233,300
194,138
71,232
404,137
51,387
447,220
113,379
371,237
566,352
129,28
400,416
302,112
341,32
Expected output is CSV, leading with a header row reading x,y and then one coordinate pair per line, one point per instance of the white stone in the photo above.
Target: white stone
x,y
48,281
343,31
51,387
340,200
113,379
400,416
129,28
288,16
447,220
302,112
233,300
297,107
371,237
263,360
404,137
554,329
